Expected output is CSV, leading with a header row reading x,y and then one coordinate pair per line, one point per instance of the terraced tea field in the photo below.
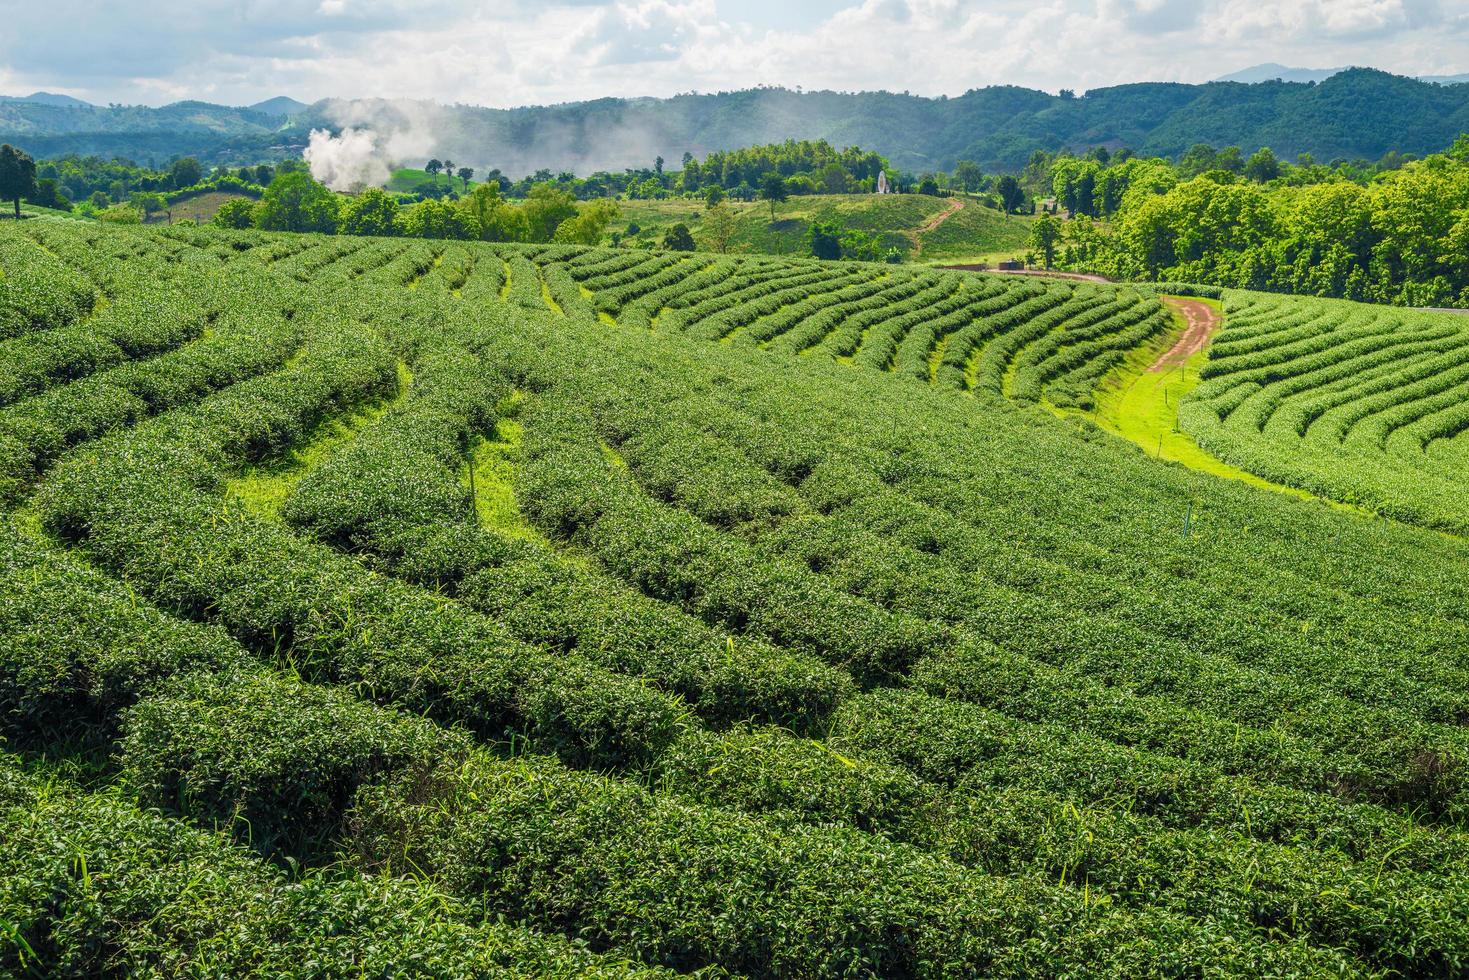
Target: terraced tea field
x,y
1361,404
405,608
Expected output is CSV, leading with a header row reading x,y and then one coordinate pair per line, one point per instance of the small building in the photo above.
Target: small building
x,y
1010,265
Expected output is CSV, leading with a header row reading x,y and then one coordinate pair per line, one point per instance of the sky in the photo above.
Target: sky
x,y
524,52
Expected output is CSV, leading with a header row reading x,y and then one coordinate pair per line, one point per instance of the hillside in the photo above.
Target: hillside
x,y
48,99
280,106
213,133
1359,113
923,229
406,180
200,208
553,611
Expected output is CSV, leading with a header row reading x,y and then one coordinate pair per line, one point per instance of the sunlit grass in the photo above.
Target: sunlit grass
x,y
263,489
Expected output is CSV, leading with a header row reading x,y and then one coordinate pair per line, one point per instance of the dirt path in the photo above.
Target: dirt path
x,y
1203,322
932,224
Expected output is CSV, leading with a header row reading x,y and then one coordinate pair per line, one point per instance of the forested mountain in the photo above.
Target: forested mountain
x,y
1276,72
1359,113
280,106
46,98
213,133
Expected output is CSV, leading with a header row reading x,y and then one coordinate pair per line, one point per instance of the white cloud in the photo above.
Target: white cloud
x,y
516,52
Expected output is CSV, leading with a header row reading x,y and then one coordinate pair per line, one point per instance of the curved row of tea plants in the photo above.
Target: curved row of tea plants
x,y
570,641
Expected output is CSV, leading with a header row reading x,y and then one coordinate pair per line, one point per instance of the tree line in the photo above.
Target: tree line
x,y
1392,232
296,202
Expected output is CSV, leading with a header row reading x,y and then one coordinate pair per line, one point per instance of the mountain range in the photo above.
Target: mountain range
x,y
1357,113
1273,72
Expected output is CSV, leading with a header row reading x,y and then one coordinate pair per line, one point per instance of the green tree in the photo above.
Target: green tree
x,y
679,238
17,175
373,212
713,196
1262,166
589,223
1045,235
929,185
545,208
1074,182
185,172
495,219
863,246
295,202
449,171
968,175
1011,196
773,189
824,240
433,168
466,174
48,195
149,202
1199,158
437,219
834,179
718,228
238,214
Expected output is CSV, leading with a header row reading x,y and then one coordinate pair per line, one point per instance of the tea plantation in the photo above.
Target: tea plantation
x,y
399,608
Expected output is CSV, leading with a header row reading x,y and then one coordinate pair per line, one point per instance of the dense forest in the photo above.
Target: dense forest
x,y
1359,113
1394,233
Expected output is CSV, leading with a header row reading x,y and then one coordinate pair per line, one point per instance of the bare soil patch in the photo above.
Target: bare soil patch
x,y
1203,322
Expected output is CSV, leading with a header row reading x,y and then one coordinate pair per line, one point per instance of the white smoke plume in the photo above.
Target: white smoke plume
x,y
376,138
370,138
348,162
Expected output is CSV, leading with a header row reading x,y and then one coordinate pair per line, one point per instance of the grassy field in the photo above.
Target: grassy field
x,y
973,234
1141,405
201,208
512,610
406,180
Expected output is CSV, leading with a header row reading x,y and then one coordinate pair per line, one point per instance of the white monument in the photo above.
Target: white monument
x,y
882,182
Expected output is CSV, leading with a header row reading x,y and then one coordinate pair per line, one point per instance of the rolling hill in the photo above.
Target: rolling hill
x,y
924,229
280,106
1274,72
48,99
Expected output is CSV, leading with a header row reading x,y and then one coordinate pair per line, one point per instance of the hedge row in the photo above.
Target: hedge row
x,y
146,503
643,875
90,885
397,493
37,290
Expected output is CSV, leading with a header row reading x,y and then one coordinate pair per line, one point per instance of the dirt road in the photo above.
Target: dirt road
x,y
1203,322
932,224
